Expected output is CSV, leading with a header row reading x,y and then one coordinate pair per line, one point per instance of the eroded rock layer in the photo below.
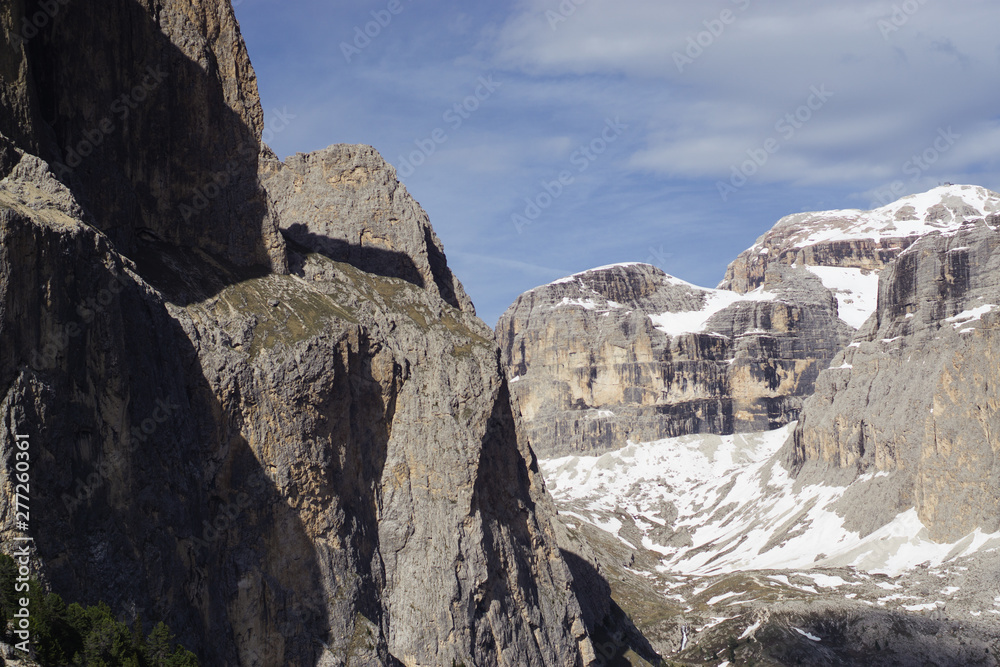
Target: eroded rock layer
x,y
628,352
855,239
915,394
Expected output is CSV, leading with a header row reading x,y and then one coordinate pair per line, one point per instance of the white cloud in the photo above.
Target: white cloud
x,y
896,79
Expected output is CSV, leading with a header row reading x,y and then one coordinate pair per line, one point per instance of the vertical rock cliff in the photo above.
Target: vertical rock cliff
x,y
914,395
150,113
297,453
628,352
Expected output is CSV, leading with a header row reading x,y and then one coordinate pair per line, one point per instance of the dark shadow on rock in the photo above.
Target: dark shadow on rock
x,y
502,497
443,277
145,494
370,259
185,276
611,630
143,134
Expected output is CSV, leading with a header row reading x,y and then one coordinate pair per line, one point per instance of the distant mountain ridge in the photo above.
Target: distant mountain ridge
x,y
626,352
865,531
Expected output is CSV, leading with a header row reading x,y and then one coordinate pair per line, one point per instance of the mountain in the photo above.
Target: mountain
x,y
715,548
866,530
259,405
927,355
847,248
627,352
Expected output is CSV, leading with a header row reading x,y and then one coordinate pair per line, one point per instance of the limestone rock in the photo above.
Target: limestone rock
x,y
616,354
309,467
157,134
915,394
852,244
346,203
338,477
628,352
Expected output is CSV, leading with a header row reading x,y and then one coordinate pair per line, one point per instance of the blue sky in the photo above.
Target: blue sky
x,y
590,132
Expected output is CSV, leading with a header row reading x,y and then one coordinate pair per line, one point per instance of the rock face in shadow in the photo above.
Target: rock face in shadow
x,y
346,203
150,113
315,466
628,352
134,461
915,394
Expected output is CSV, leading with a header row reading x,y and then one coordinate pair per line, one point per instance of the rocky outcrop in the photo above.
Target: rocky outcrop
x,y
157,134
628,352
622,353
914,395
308,466
346,203
858,243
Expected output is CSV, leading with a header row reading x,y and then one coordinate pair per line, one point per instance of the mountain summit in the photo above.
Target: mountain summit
x,y
849,516
259,405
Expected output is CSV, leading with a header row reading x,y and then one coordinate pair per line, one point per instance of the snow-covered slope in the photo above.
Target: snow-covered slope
x,y
709,504
681,322
942,209
847,248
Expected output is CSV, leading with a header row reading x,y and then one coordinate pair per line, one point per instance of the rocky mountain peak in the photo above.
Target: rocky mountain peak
x,y
616,285
627,352
299,453
857,241
884,485
346,203
944,208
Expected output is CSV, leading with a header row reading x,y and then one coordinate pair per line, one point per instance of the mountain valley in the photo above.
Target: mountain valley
x,y
258,404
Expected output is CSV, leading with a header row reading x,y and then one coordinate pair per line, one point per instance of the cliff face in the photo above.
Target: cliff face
x,y
628,352
317,464
848,248
149,112
346,201
914,395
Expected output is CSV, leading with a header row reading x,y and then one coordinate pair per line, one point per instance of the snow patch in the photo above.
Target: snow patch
x,y
969,316
725,596
741,509
750,630
943,209
807,635
856,291
696,321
